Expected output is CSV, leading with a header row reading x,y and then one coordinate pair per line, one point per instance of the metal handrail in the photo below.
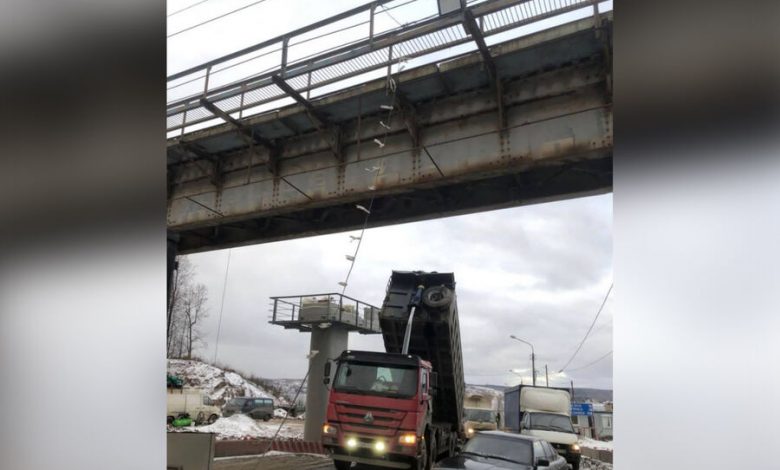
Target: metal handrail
x,y
373,52
297,306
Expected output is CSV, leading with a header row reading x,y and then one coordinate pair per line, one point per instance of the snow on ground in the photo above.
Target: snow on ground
x,y
280,413
592,464
243,427
220,385
594,444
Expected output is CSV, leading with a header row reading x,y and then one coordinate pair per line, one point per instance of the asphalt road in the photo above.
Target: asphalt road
x,y
315,462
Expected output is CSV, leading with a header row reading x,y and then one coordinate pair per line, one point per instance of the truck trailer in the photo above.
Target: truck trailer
x,y
479,412
402,408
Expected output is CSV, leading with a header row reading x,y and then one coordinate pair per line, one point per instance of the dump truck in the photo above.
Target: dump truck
x,y
479,412
544,412
402,408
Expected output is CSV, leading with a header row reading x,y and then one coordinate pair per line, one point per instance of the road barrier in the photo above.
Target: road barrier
x,y
261,446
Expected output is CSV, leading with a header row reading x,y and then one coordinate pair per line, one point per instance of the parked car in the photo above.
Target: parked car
x,y
256,408
490,450
191,402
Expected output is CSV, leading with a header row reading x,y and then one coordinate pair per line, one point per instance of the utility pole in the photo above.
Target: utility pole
x,y
533,367
546,376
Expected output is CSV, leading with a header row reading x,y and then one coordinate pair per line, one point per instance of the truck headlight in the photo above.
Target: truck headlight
x,y
329,430
575,447
407,439
351,443
379,446
470,431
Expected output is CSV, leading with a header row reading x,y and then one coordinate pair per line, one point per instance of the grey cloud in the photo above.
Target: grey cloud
x,y
538,271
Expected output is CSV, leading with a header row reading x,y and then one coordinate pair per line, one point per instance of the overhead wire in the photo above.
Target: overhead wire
x,y
186,8
303,41
592,363
589,330
189,28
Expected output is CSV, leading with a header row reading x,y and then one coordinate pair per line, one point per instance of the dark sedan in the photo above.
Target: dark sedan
x,y
496,450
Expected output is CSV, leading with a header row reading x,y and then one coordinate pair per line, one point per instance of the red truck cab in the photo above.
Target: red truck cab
x,y
379,411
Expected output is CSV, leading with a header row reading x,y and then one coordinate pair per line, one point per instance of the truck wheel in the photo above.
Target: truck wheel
x,y
432,452
342,464
169,420
452,450
212,419
200,419
422,459
575,465
266,417
437,296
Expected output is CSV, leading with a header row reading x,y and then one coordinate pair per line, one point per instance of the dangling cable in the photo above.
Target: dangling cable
x,y
392,88
222,306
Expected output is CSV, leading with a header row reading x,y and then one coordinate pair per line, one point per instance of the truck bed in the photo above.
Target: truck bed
x,y
435,337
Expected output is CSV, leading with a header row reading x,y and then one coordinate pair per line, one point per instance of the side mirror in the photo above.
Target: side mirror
x,y
326,380
542,463
434,378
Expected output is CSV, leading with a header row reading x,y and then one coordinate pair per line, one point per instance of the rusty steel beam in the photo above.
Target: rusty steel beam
x,y
476,34
539,132
330,131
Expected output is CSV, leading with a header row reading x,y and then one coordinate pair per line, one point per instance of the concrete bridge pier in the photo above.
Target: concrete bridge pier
x,y
329,343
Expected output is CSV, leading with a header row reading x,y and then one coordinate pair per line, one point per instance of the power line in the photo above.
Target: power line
x,y
592,363
186,8
214,19
292,44
589,329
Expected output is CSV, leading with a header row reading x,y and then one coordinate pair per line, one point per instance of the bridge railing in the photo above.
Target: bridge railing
x,y
372,51
305,312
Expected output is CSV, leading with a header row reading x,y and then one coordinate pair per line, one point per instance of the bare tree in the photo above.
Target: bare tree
x,y
194,307
187,309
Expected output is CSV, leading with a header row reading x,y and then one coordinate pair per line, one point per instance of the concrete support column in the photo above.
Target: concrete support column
x,y
171,266
329,343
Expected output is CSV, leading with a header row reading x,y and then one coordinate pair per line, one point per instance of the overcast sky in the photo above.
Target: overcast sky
x,y
539,272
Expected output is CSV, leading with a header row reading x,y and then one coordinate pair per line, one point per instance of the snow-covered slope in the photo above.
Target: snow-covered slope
x,y
243,427
219,384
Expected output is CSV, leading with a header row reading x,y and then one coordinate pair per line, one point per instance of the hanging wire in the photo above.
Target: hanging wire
x,y
222,306
392,88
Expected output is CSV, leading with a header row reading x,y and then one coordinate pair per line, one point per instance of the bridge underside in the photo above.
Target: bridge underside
x,y
531,121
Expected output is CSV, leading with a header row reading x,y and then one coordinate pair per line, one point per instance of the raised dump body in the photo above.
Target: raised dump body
x,y
435,335
399,409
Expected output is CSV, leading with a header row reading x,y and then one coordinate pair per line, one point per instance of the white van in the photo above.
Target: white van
x,y
193,402
546,413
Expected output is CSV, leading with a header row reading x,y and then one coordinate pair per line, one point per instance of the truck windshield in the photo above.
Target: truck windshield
x,y
373,379
473,414
551,422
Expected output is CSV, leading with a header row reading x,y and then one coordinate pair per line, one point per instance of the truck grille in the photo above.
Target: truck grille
x,y
383,421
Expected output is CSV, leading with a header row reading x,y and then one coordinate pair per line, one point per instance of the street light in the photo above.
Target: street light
x,y
533,357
